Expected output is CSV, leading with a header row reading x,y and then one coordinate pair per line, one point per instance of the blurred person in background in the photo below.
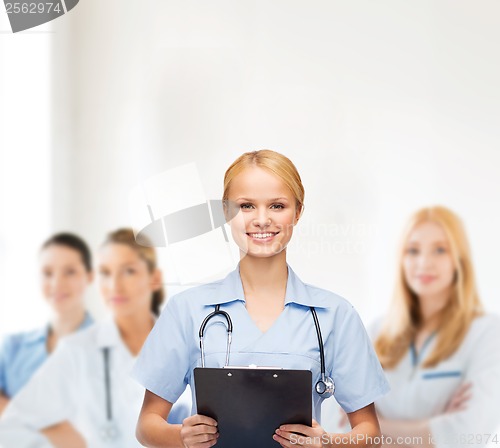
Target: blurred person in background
x,y
83,396
65,272
439,349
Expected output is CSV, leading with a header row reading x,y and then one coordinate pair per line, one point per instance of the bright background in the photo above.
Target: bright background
x,y
383,106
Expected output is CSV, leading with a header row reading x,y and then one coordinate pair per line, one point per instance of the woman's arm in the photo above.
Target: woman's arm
x,y
4,401
417,433
64,435
408,433
153,431
47,402
365,433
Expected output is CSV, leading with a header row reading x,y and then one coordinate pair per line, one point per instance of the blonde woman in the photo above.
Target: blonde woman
x,y
274,320
440,351
83,395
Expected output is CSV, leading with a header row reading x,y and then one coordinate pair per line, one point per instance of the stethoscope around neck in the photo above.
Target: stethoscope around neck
x,y
325,387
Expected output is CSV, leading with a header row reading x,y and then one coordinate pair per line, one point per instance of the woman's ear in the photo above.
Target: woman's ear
x,y
156,280
298,212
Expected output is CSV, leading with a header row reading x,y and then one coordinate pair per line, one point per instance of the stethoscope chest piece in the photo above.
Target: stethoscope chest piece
x,y
325,387
109,432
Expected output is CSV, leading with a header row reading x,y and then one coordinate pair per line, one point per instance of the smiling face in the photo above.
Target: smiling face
x,y
125,281
64,277
263,211
428,263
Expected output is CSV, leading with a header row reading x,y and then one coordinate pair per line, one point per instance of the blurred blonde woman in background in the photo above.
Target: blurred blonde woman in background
x,y
439,350
65,264
83,395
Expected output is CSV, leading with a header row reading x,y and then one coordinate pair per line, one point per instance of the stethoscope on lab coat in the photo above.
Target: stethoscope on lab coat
x,y
109,431
324,387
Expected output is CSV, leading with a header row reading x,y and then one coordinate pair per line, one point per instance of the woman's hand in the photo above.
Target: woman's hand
x,y
459,399
63,435
301,435
199,431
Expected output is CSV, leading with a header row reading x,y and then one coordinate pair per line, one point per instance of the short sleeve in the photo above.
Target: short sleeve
x,y
4,355
481,413
21,437
47,399
163,364
357,373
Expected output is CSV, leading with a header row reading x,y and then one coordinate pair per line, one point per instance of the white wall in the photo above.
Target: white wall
x,y
383,106
25,171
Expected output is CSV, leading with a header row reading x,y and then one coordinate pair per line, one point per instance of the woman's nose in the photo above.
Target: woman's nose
x,y
425,260
115,283
261,219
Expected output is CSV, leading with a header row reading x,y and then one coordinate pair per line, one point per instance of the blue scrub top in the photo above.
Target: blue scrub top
x,y
22,354
171,352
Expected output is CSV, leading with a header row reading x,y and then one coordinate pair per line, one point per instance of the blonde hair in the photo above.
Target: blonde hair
x,y
404,318
147,253
272,161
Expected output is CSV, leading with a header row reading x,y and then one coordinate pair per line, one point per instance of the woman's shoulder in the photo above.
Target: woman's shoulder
x,y
15,341
326,297
485,325
82,338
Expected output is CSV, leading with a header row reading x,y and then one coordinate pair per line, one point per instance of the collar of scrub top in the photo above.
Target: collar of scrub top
x,y
43,333
231,289
417,357
108,335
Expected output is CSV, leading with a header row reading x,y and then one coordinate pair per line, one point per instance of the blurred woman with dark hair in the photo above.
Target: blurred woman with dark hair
x,y
83,395
65,273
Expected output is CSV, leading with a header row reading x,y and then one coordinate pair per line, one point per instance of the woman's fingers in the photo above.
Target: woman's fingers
x,y
198,419
300,435
199,431
460,398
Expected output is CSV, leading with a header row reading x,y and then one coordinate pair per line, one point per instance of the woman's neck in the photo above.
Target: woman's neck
x,y
134,329
66,323
264,276
431,310
63,324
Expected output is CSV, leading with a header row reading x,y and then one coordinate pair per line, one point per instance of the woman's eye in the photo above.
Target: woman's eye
x,y
103,273
47,274
277,206
130,271
440,250
70,272
245,206
412,251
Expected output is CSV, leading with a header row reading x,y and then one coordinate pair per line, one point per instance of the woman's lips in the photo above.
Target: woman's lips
x,y
262,237
426,278
118,300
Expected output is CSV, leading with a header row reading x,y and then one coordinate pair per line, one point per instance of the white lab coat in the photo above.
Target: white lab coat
x,y
418,393
70,386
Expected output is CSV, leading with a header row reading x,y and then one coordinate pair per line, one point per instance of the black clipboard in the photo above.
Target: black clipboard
x,y
249,404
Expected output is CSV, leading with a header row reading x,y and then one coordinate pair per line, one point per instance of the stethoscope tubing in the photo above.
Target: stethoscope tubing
x,y
326,383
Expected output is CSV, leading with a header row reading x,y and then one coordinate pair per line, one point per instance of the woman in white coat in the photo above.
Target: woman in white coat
x,y
83,396
439,350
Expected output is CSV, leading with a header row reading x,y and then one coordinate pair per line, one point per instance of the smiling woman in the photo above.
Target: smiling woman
x,y
275,319
440,351
83,395
65,266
